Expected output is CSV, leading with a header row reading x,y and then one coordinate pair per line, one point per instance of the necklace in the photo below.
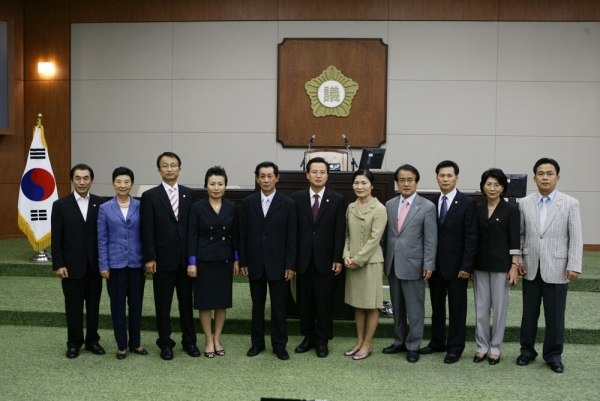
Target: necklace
x,y
215,205
124,205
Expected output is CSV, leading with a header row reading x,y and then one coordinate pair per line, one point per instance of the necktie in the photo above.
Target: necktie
x,y
315,208
443,209
403,213
543,211
266,207
174,202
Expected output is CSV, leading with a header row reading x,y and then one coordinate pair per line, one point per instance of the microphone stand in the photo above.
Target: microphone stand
x,y
353,163
303,164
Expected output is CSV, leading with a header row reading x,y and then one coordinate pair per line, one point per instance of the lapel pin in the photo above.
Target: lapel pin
x,y
94,205
326,200
184,195
455,201
497,219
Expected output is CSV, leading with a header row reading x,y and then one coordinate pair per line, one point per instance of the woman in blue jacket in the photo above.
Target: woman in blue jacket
x,y
121,261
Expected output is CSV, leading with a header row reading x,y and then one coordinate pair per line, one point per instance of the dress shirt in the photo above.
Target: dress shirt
x,y
263,198
548,204
410,201
168,187
449,198
312,196
83,204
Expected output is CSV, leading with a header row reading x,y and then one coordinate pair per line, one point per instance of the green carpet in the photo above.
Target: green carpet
x,y
36,369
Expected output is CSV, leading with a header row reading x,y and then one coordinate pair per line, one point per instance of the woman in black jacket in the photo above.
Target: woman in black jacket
x,y
496,264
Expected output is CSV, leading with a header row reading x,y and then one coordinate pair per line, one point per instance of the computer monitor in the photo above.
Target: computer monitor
x,y
517,186
371,158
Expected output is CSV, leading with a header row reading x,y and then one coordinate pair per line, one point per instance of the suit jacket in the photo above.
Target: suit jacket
x,y
325,237
370,222
558,246
165,238
457,237
212,236
497,236
413,249
75,240
119,239
268,244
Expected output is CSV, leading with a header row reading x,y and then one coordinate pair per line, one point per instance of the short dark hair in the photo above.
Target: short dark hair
x,y
546,160
122,171
82,166
266,164
216,170
317,160
168,154
446,163
494,173
408,167
366,173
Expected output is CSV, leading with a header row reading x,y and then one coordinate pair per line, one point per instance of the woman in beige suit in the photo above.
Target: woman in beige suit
x,y
365,223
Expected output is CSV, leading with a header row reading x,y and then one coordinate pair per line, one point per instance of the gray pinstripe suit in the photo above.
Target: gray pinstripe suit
x,y
548,252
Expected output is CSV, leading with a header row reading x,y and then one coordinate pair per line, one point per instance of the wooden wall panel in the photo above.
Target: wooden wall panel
x,y
12,159
9,196
52,99
362,60
225,10
549,10
444,10
347,10
120,10
47,37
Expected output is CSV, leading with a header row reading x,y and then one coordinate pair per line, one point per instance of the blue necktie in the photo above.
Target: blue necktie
x,y
443,209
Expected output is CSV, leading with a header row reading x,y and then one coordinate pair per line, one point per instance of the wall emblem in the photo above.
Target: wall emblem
x,y
331,93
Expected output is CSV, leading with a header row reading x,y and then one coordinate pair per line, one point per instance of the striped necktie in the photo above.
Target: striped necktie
x,y
174,202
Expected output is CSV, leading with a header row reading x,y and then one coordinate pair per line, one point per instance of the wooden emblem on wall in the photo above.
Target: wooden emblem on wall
x,y
329,88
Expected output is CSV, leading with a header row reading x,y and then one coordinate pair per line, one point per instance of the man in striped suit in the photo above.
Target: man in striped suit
x,y
552,250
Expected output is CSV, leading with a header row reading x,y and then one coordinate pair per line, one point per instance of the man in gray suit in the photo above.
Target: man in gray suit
x,y
410,244
552,249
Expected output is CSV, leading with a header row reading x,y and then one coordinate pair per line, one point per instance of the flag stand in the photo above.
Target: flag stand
x,y
40,257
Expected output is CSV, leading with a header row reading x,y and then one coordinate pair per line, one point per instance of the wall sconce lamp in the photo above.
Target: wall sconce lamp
x,y
46,68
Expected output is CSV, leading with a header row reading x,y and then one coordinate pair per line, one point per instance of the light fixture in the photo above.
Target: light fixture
x,y
46,68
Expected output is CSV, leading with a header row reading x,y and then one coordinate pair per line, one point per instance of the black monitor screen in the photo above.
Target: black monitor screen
x,y
371,158
517,186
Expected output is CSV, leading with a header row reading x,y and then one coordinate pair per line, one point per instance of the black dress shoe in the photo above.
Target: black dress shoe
x,y
304,346
557,367
412,356
72,353
394,349
253,351
192,350
451,358
121,356
479,359
166,353
523,360
283,355
494,361
141,351
96,349
429,350
322,351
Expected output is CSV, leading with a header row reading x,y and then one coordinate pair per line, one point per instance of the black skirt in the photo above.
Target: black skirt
x,y
213,286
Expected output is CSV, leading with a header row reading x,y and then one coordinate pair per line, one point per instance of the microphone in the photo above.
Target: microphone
x,y
345,140
311,140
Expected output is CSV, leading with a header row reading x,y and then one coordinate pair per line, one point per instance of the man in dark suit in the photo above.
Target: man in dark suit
x,y
164,213
321,235
457,246
74,224
268,256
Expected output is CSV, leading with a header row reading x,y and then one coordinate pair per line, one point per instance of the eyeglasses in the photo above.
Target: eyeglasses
x,y
166,166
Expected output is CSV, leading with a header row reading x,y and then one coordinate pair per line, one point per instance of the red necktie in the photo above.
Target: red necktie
x,y
315,208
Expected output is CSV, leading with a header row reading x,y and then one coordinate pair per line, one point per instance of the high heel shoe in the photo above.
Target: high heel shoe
x,y
122,355
141,351
220,352
209,354
494,361
360,356
351,352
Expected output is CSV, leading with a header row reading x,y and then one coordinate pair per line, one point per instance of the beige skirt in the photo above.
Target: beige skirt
x,y
364,286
